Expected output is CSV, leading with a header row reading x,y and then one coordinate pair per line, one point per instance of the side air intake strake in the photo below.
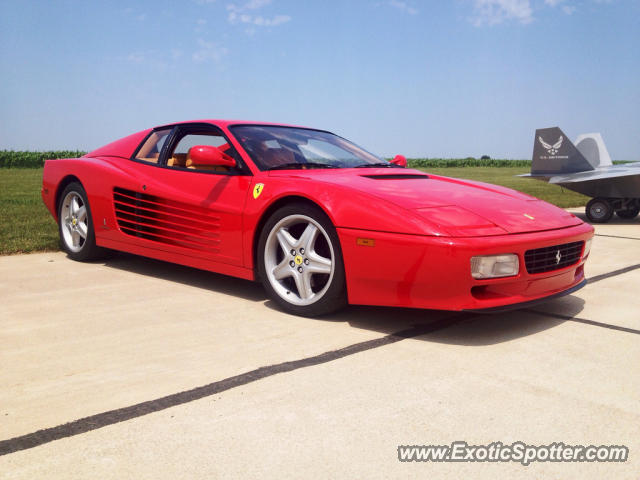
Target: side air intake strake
x,y
398,176
164,221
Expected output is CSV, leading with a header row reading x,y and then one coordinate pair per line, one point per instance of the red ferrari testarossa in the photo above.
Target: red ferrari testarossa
x,y
318,220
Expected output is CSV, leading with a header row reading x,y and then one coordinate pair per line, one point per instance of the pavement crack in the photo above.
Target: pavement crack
x,y
614,273
585,321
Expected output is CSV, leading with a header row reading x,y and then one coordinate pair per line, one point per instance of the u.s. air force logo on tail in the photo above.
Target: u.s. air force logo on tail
x,y
257,189
551,149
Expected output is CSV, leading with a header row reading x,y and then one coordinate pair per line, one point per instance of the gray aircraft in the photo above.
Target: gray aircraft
x,y
586,168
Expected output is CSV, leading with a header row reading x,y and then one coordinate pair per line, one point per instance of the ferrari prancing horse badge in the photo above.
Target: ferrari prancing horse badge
x,y
257,190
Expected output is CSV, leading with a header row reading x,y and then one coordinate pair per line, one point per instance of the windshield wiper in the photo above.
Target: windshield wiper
x,y
301,166
377,165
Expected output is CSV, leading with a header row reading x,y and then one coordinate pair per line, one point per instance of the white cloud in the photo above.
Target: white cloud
x,y
239,14
136,57
493,12
403,6
255,4
208,52
201,21
250,5
148,59
259,20
567,9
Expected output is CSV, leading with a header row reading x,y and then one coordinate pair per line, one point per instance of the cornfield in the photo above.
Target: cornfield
x,y
26,159
464,162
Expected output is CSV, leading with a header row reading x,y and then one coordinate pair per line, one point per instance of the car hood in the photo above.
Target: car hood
x,y
460,207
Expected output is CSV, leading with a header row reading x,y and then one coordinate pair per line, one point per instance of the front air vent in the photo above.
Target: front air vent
x,y
552,258
165,221
398,176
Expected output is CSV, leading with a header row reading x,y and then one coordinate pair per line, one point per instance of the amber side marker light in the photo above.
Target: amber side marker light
x,y
366,242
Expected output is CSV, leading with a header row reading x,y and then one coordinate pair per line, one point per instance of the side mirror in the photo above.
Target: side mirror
x,y
400,160
210,156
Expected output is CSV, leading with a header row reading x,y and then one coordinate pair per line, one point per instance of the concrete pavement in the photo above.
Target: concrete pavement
x,y
81,340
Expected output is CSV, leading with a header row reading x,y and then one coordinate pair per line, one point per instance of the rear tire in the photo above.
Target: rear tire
x,y
599,210
629,213
300,261
75,225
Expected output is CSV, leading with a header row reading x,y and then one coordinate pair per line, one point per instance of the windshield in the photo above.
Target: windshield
x,y
273,148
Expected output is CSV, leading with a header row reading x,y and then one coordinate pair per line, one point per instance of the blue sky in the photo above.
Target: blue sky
x,y
433,78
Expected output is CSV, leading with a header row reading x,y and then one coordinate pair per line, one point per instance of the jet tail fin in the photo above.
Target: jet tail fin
x,y
592,147
553,153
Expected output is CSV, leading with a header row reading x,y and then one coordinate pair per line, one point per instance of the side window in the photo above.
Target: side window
x,y
180,157
192,140
150,151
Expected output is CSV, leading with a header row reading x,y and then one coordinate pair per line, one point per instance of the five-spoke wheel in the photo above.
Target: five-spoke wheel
x,y
74,221
300,262
77,237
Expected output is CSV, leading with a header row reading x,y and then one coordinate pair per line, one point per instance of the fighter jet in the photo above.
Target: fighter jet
x,y
586,168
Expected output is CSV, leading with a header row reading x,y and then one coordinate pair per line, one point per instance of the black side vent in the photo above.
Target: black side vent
x,y
398,176
164,221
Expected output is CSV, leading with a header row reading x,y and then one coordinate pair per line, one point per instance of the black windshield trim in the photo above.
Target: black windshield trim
x,y
301,166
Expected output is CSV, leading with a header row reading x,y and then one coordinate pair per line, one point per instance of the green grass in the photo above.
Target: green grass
x,y
27,226
505,176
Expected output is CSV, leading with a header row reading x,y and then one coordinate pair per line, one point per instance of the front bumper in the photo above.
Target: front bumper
x,y
434,272
528,304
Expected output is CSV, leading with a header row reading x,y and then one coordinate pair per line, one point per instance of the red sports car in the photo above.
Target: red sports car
x,y
318,220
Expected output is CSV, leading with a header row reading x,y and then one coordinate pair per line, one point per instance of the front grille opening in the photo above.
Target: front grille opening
x,y
547,259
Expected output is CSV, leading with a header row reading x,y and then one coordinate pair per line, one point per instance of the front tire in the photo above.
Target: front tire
x,y
599,210
75,225
300,261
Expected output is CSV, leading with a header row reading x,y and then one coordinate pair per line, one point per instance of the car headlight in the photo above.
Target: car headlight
x,y
587,248
495,266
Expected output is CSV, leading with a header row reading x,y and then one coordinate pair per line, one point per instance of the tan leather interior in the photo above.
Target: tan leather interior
x,y
178,160
148,152
151,159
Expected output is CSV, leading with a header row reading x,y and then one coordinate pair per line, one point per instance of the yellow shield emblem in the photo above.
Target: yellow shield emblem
x,y
257,190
